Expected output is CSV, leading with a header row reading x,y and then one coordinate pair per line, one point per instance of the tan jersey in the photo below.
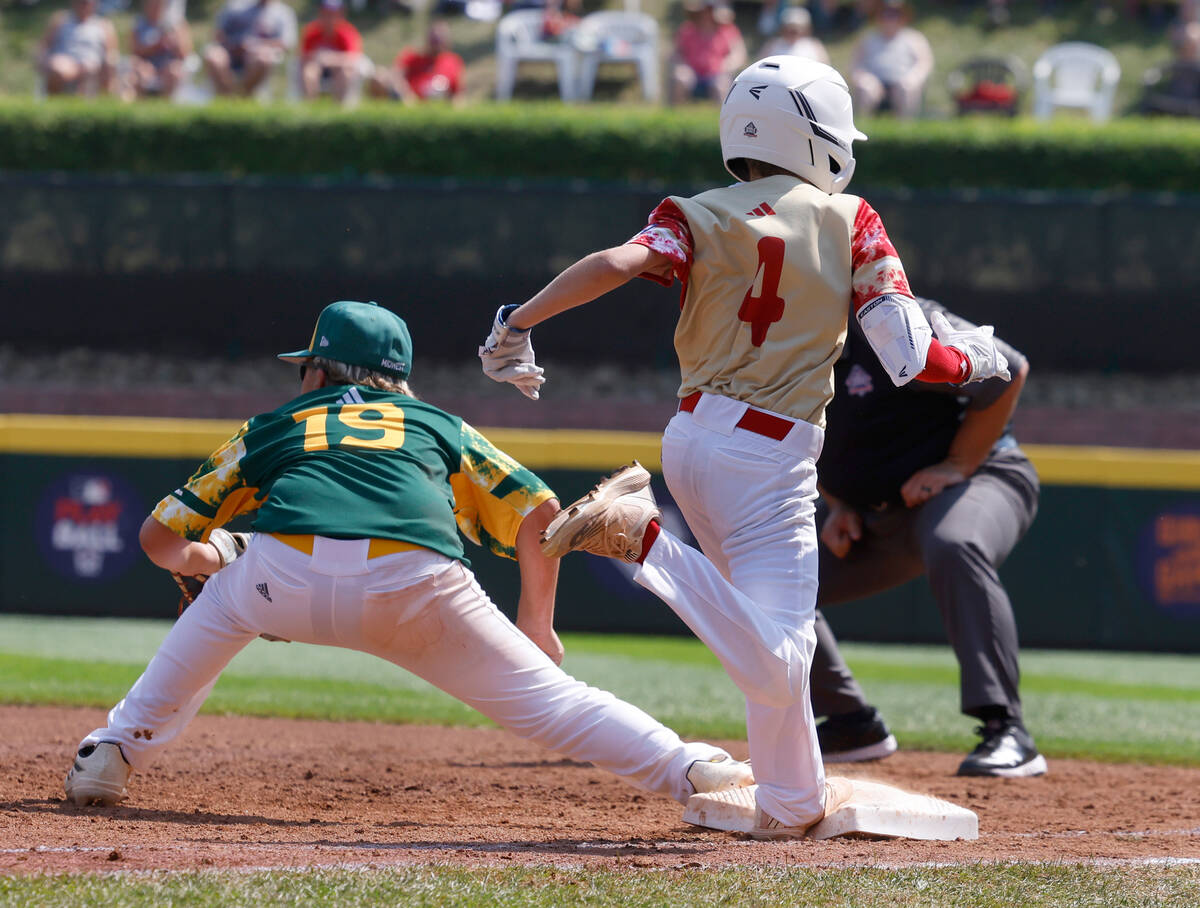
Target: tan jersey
x,y
771,270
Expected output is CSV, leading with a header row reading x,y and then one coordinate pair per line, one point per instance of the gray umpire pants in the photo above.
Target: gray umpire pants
x,y
958,539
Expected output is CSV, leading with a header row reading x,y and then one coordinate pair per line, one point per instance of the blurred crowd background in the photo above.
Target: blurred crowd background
x,y
927,59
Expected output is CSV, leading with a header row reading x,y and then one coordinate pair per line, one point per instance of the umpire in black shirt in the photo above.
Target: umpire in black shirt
x,y
925,479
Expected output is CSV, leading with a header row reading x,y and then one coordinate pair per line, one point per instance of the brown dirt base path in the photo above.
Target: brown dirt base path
x,y
242,792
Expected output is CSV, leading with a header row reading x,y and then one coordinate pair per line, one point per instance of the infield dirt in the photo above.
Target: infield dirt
x,y
244,792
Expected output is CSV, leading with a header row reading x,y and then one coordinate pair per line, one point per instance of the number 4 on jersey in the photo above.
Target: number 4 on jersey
x,y
763,310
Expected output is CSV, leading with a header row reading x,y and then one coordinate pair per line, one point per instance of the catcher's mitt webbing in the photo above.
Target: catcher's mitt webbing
x,y
190,587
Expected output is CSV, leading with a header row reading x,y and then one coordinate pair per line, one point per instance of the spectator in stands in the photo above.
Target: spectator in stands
x,y
559,18
78,51
434,71
330,54
826,15
998,13
709,52
161,45
891,63
796,37
1177,90
252,37
1188,12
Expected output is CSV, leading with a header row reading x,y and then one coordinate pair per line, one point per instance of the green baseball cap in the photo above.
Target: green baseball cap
x,y
360,334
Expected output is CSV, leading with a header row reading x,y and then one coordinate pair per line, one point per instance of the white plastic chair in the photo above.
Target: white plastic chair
x,y
615,36
519,38
188,92
1078,76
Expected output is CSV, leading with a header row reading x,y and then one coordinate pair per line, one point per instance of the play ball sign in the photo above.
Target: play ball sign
x,y
87,525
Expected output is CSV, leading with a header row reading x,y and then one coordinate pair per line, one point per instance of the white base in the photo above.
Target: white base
x,y
881,810
873,810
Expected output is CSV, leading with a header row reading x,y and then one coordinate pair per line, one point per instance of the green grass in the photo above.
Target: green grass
x,y
956,30
1114,706
976,886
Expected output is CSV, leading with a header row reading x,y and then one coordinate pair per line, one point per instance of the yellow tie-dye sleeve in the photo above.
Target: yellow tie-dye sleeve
x,y
213,496
493,494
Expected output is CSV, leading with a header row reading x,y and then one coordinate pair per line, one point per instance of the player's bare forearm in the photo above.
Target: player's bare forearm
x,y
980,429
539,581
842,527
174,553
975,437
590,277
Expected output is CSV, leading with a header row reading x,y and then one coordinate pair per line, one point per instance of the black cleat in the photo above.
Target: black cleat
x,y
1007,750
855,737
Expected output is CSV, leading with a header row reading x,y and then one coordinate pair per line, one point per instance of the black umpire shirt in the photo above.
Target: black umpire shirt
x,y
878,435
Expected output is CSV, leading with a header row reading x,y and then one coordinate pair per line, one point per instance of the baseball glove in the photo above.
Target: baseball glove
x,y
189,587
228,545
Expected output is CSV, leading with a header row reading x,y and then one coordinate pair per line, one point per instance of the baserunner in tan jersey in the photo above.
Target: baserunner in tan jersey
x,y
771,268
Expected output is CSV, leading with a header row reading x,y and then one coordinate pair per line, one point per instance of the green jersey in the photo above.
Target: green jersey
x,y
351,462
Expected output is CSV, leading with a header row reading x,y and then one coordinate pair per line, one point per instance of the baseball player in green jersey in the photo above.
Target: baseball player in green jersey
x,y
359,493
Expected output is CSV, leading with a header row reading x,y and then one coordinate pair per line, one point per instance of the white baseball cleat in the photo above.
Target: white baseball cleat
x,y
737,810
610,520
837,793
98,775
719,774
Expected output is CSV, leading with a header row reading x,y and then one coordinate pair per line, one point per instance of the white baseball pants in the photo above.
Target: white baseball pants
x,y
749,500
420,610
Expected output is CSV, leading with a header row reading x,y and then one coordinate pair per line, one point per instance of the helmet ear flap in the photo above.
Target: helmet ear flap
x,y
843,176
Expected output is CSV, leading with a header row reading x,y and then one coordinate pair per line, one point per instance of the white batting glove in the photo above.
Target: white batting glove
x,y
977,345
507,356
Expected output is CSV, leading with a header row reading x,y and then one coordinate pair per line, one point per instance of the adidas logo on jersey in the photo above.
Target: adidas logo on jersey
x,y
351,397
761,211
263,591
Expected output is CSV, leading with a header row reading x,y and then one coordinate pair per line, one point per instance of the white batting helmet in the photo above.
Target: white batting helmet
x,y
794,113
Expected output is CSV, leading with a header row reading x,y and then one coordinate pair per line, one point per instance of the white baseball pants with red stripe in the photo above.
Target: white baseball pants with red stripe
x,y
420,610
749,500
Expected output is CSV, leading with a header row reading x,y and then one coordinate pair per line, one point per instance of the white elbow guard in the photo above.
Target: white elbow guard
x,y
899,333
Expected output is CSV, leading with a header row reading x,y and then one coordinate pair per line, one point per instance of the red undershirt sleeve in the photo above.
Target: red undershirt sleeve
x,y
944,364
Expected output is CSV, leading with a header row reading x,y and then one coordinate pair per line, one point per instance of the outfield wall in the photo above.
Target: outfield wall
x,y
1113,560
1076,281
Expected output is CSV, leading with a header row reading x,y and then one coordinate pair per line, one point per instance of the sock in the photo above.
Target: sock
x,y
991,713
648,538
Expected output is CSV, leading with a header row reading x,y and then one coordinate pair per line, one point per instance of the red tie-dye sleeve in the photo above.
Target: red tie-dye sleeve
x,y
877,270
668,234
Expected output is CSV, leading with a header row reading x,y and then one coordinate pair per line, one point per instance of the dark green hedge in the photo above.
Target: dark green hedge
x,y
555,142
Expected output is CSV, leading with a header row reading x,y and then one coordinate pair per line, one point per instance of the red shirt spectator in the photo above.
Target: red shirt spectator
x,y
435,71
338,35
709,51
707,45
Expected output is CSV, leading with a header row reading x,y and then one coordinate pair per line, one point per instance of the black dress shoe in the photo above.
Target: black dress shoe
x,y
1007,750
